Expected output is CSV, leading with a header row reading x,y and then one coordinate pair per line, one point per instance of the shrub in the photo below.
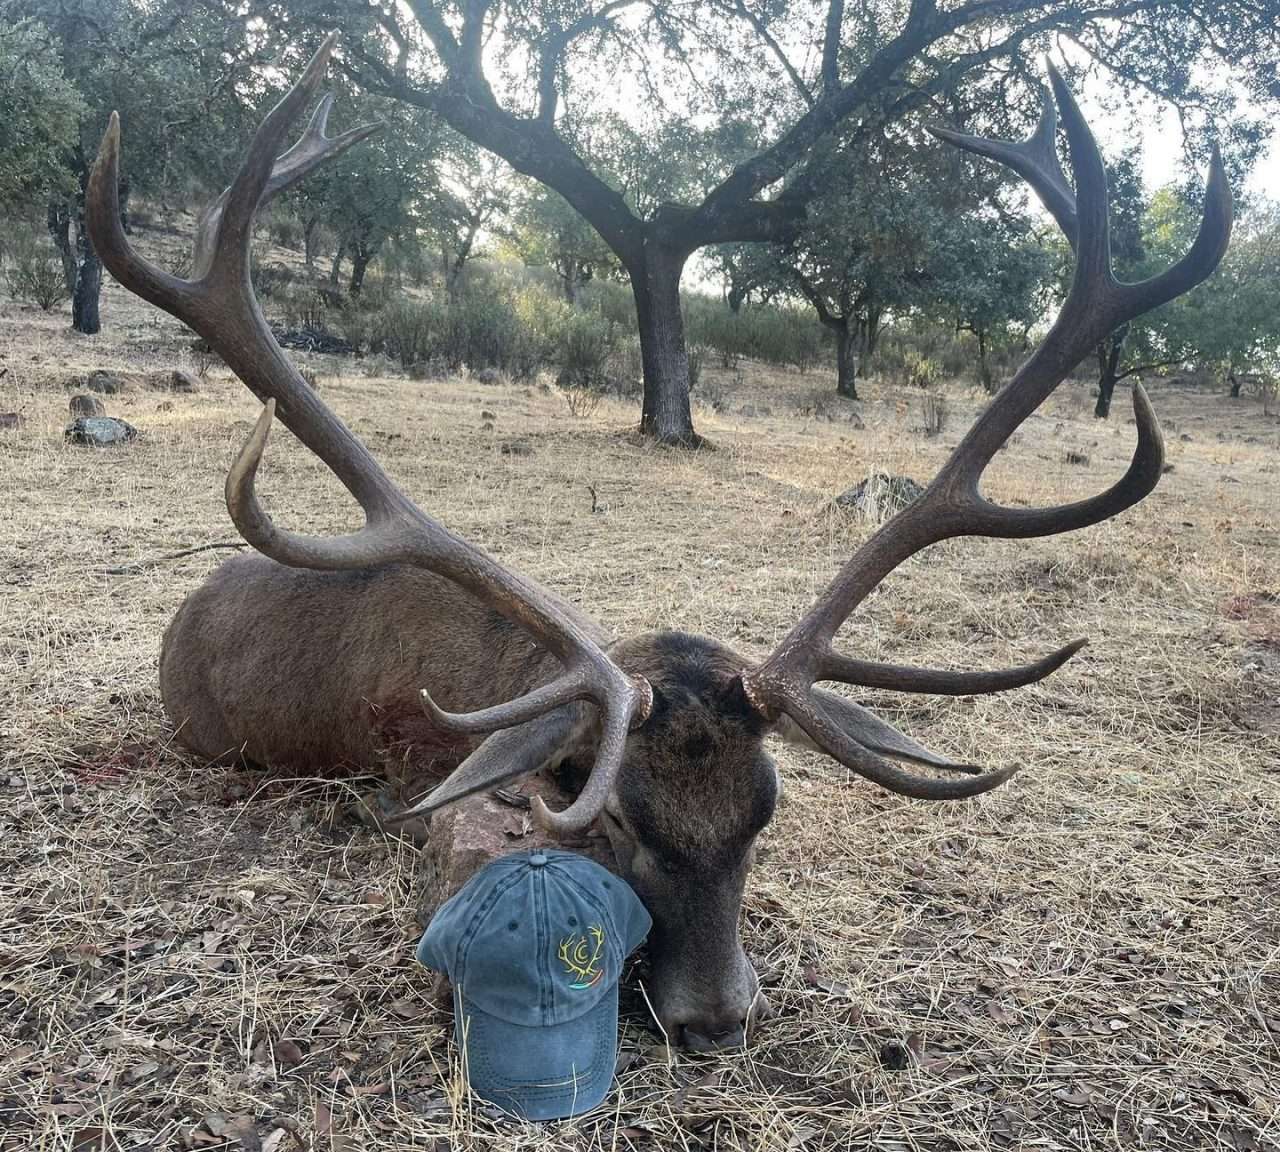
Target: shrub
x,y
920,371
697,354
582,401
586,349
359,325
303,306
410,330
35,272
934,411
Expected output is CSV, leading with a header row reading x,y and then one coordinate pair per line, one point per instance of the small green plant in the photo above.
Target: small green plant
x,y
697,357
934,410
411,331
582,401
35,272
921,371
587,344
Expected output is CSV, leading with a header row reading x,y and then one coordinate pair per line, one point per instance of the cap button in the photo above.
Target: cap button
x,y
538,859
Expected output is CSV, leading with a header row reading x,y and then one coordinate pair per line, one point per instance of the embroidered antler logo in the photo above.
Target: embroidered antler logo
x,y
580,956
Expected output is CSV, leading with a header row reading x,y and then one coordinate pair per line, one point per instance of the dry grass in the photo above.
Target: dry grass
x,y
1088,958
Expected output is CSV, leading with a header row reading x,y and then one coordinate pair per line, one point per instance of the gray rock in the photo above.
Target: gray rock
x,y
182,381
880,495
83,404
103,382
99,431
488,376
755,410
11,420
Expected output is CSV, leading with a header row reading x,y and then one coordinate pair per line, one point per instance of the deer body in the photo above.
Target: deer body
x,y
304,668
358,648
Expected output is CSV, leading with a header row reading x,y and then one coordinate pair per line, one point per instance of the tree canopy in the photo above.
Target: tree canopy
x,y
728,104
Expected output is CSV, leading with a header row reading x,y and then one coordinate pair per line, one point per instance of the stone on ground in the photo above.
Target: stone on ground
x,y
99,431
82,404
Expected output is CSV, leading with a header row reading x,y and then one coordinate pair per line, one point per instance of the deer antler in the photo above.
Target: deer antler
x,y
953,505
218,302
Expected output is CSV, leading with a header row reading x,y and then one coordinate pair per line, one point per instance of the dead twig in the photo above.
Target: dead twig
x,y
143,565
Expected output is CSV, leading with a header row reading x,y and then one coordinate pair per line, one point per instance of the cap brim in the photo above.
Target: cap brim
x,y
542,1073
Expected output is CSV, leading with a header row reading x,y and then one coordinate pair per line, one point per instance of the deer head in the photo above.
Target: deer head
x,y
667,731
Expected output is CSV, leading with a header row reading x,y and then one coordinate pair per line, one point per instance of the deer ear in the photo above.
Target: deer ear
x,y
507,755
868,730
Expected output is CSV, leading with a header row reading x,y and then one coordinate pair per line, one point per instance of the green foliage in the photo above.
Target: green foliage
x,y
550,232
586,346
921,371
1231,323
784,336
472,330
40,119
34,271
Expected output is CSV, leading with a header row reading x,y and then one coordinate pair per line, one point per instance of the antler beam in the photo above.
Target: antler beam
x,y
218,302
953,505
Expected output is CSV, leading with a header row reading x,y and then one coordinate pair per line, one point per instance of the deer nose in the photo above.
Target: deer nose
x,y
707,1037
726,1032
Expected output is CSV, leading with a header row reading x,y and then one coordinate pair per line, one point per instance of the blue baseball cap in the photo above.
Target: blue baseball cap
x,y
533,945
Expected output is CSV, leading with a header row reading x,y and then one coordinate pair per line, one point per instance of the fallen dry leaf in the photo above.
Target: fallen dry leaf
x,y
815,979
288,1054
141,1071
682,1095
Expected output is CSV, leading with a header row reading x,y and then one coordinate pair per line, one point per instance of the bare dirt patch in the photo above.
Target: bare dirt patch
x,y
192,956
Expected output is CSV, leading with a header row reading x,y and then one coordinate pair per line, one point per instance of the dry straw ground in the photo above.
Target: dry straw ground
x,y
1088,958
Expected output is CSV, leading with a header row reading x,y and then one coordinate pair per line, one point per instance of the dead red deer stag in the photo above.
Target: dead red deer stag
x,y
325,650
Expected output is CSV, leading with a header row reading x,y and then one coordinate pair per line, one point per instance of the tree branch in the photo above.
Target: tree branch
x,y
831,47
739,8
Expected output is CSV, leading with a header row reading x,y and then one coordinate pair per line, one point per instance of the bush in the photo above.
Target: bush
x,y
303,306
775,335
586,349
409,330
358,322
284,228
920,371
934,413
473,330
35,272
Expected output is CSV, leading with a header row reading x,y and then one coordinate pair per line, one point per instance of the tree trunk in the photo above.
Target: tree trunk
x,y
870,336
309,227
335,269
655,283
1234,381
123,190
569,282
1109,352
58,221
848,336
360,258
84,299
984,368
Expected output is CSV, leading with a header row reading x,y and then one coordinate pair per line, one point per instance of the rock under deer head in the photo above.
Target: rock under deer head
x,y
316,648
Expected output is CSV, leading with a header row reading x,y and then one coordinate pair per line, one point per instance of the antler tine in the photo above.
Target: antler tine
x,y
572,686
898,678
240,202
220,305
312,149
1034,159
953,505
102,219
837,743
